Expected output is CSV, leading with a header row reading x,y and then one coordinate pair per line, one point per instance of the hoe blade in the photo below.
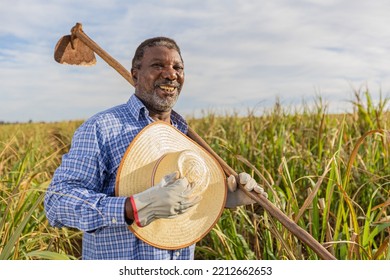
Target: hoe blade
x,y
73,52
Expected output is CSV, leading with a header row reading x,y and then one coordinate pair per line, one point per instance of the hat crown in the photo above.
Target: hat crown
x,y
189,164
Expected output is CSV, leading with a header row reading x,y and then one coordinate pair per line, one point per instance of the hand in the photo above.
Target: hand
x,y
169,198
236,197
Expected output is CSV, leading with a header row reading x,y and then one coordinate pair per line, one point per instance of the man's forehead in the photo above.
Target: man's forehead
x,y
161,52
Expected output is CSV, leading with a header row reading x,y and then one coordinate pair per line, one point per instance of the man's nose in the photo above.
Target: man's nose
x,y
169,73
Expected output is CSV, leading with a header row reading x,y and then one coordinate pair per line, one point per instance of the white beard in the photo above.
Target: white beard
x,y
156,103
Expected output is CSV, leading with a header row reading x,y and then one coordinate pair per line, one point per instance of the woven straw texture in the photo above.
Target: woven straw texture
x,y
160,149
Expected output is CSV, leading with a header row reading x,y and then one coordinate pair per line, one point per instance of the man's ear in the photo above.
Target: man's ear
x,y
134,74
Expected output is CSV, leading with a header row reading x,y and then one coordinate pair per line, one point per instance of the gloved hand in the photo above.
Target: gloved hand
x,y
236,197
169,198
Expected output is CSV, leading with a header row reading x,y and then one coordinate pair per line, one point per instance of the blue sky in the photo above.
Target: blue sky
x,y
239,55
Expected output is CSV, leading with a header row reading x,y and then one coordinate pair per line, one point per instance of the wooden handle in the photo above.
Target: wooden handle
x,y
79,33
301,234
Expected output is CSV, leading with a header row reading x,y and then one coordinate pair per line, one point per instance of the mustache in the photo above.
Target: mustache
x,y
167,83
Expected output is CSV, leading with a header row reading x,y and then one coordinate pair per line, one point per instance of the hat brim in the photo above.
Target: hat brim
x,y
145,150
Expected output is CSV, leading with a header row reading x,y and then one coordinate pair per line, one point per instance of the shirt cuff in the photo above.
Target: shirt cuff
x,y
114,212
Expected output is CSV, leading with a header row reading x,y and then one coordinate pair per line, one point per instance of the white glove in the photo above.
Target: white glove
x,y
169,198
236,197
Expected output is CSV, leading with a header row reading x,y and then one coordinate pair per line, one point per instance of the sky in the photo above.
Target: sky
x,y
239,55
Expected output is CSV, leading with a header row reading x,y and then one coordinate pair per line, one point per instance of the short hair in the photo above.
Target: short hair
x,y
153,42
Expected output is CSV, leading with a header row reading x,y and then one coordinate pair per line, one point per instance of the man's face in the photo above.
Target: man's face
x,y
159,79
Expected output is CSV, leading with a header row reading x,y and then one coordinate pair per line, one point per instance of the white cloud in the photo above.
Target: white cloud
x,y
237,53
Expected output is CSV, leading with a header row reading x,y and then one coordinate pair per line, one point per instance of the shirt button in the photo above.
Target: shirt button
x,y
113,220
177,254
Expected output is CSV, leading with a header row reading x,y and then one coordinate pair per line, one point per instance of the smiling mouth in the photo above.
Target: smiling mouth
x,y
166,88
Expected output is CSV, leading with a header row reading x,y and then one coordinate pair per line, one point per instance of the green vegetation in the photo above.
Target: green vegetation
x,y
329,173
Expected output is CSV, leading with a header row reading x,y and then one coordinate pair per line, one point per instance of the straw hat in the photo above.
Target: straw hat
x,y
160,149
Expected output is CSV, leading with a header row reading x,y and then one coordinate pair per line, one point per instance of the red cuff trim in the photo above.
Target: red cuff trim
x,y
135,212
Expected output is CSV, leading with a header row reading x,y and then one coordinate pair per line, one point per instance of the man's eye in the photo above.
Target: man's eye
x,y
158,66
179,68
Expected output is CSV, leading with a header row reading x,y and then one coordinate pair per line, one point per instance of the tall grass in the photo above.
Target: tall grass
x,y
329,173
29,154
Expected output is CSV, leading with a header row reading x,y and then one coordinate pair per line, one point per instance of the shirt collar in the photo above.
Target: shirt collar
x,y
138,110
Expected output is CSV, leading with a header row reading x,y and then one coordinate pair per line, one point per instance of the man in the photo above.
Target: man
x,y
81,194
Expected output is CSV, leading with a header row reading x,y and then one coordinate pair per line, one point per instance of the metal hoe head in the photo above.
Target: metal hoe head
x,y
79,49
71,50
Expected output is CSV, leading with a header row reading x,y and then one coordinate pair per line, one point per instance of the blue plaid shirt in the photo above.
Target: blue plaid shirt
x,y
81,194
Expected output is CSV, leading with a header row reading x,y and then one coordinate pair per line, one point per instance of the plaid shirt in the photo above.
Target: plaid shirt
x,y
81,194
